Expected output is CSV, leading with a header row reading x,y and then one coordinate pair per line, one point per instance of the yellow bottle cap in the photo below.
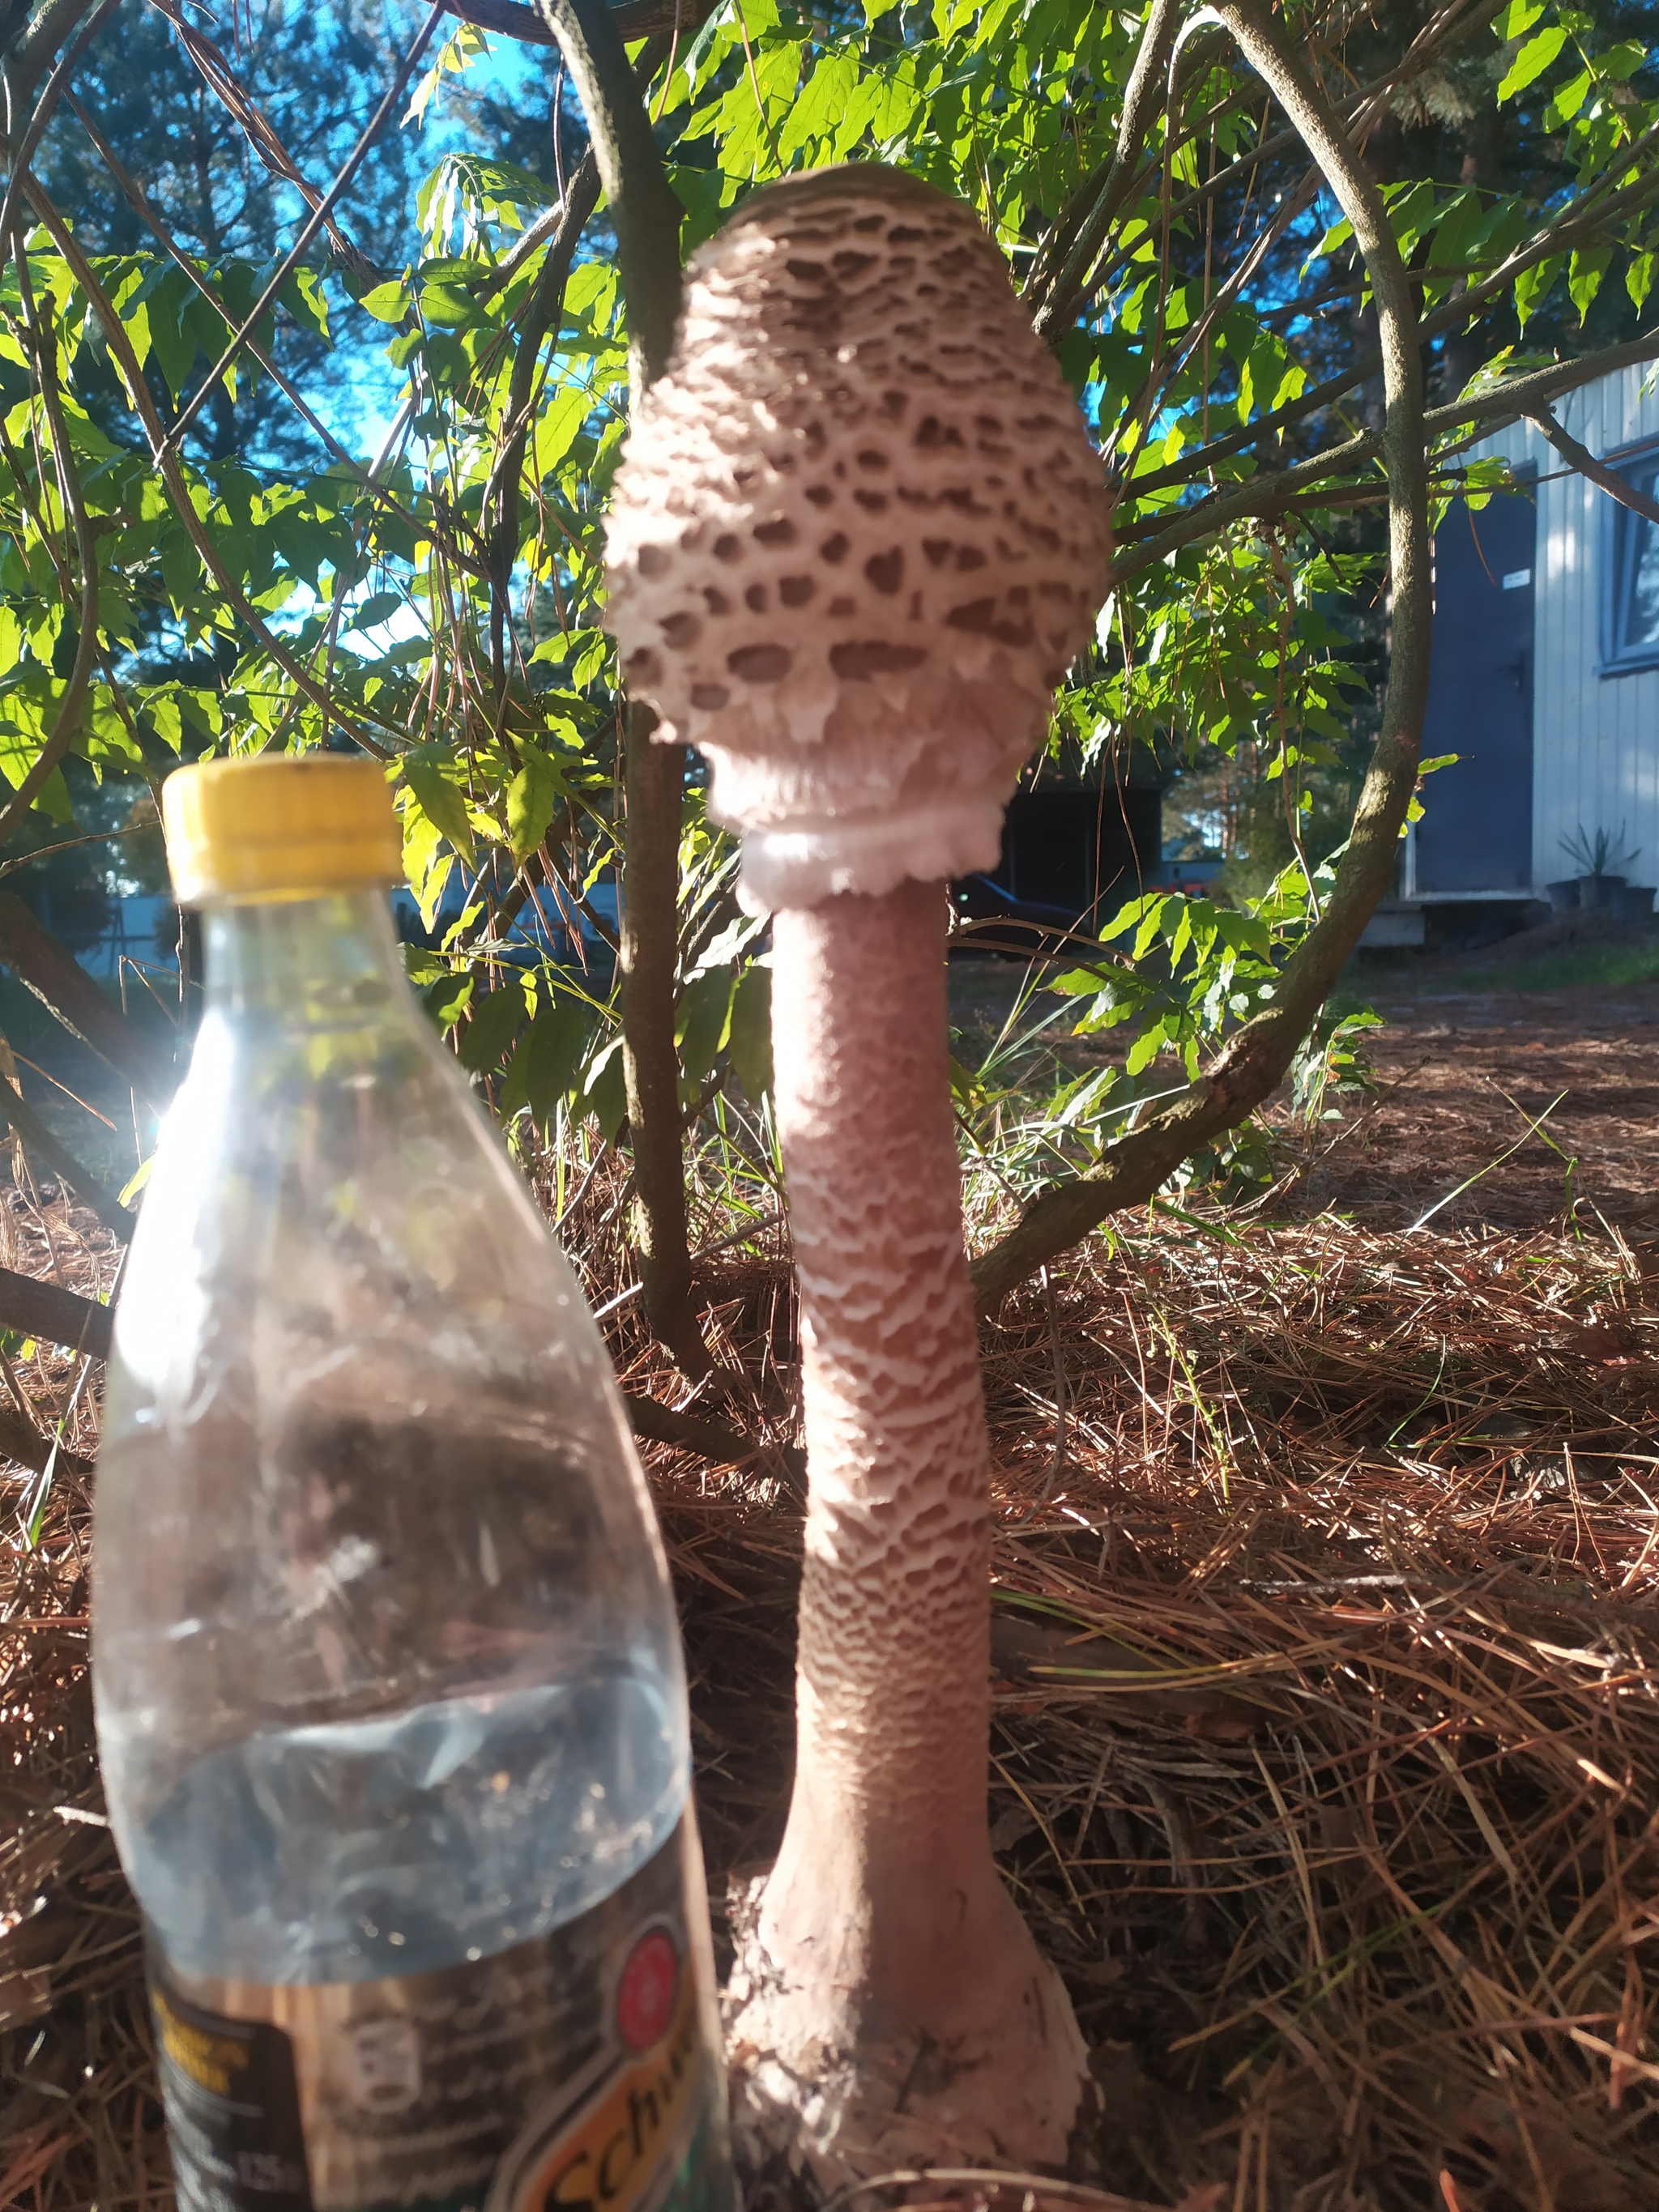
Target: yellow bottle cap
x,y
244,831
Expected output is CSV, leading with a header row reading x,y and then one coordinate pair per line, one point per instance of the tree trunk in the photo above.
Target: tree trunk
x,y
655,776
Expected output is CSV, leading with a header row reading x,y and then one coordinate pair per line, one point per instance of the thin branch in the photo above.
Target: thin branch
x,y
1142,98
1282,490
141,205
646,215
57,84
1254,1060
16,1113
1446,30
636,19
308,230
255,126
168,463
1607,480
1557,238
542,313
648,218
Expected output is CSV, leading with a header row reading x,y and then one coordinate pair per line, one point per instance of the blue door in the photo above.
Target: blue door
x,y
1476,834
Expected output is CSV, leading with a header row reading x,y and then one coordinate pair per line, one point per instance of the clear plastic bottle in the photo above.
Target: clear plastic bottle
x,y
390,1703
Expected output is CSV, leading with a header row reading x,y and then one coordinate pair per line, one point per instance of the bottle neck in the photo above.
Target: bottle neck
x,y
319,963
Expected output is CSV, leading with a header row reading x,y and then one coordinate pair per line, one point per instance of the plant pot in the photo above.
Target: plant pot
x,y
1599,891
1636,903
1563,896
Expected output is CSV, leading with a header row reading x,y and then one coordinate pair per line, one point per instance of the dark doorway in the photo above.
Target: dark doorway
x,y
1476,833
1077,850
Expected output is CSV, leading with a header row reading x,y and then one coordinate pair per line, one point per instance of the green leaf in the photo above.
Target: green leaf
x,y
447,305
448,999
1621,61
1568,101
1529,64
1517,19
543,1068
439,801
496,1019
748,1032
700,1021
532,799
134,1183
604,1094
387,303
1533,285
1144,1050
1638,279
378,607
1584,275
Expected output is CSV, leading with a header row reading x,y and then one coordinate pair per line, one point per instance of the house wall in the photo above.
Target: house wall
x,y
1596,738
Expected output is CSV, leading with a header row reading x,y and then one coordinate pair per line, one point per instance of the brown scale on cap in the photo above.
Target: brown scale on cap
x,y
858,535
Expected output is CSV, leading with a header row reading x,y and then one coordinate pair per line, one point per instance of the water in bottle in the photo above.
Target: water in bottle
x,y
390,1705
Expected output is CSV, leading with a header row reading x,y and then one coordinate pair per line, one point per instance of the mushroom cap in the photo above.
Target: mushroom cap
x,y
858,535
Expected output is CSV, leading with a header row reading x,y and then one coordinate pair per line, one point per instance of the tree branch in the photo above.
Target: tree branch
x,y
1559,238
1278,491
1580,457
1142,97
643,209
647,219
50,970
635,19
542,311
1253,1062
16,1113
37,1307
57,84
319,215
40,40
168,466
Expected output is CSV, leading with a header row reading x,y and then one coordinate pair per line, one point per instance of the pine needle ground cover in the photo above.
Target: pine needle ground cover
x,y
1326,1749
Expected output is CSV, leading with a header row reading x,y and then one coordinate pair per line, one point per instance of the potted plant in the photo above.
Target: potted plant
x,y
1599,885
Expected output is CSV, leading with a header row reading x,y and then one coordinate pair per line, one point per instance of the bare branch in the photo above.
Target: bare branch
x,y
38,40
648,217
636,19
1580,457
308,230
37,1307
252,121
57,84
145,208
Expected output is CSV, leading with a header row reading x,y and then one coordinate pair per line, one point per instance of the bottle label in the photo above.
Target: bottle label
x,y
568,2075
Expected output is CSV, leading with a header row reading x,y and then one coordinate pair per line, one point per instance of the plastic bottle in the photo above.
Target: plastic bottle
x,y
390,1697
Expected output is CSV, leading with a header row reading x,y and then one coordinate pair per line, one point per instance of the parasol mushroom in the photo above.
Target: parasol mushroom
x,y
857,538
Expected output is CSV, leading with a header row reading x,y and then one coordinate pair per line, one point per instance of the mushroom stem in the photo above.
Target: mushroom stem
x,y
885,1936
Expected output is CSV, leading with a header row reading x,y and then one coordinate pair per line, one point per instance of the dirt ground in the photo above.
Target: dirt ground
x,y
1326,1749
1548,1096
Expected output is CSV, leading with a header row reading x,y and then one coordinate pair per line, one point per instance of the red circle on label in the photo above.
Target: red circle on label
x,y
646,1993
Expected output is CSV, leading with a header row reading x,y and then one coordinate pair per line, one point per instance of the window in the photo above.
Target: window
x,y
1630,588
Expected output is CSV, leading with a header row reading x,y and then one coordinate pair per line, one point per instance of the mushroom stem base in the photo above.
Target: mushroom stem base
x,y
828,2107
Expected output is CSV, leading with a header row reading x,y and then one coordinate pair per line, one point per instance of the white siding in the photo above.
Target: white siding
x,y
1596,738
